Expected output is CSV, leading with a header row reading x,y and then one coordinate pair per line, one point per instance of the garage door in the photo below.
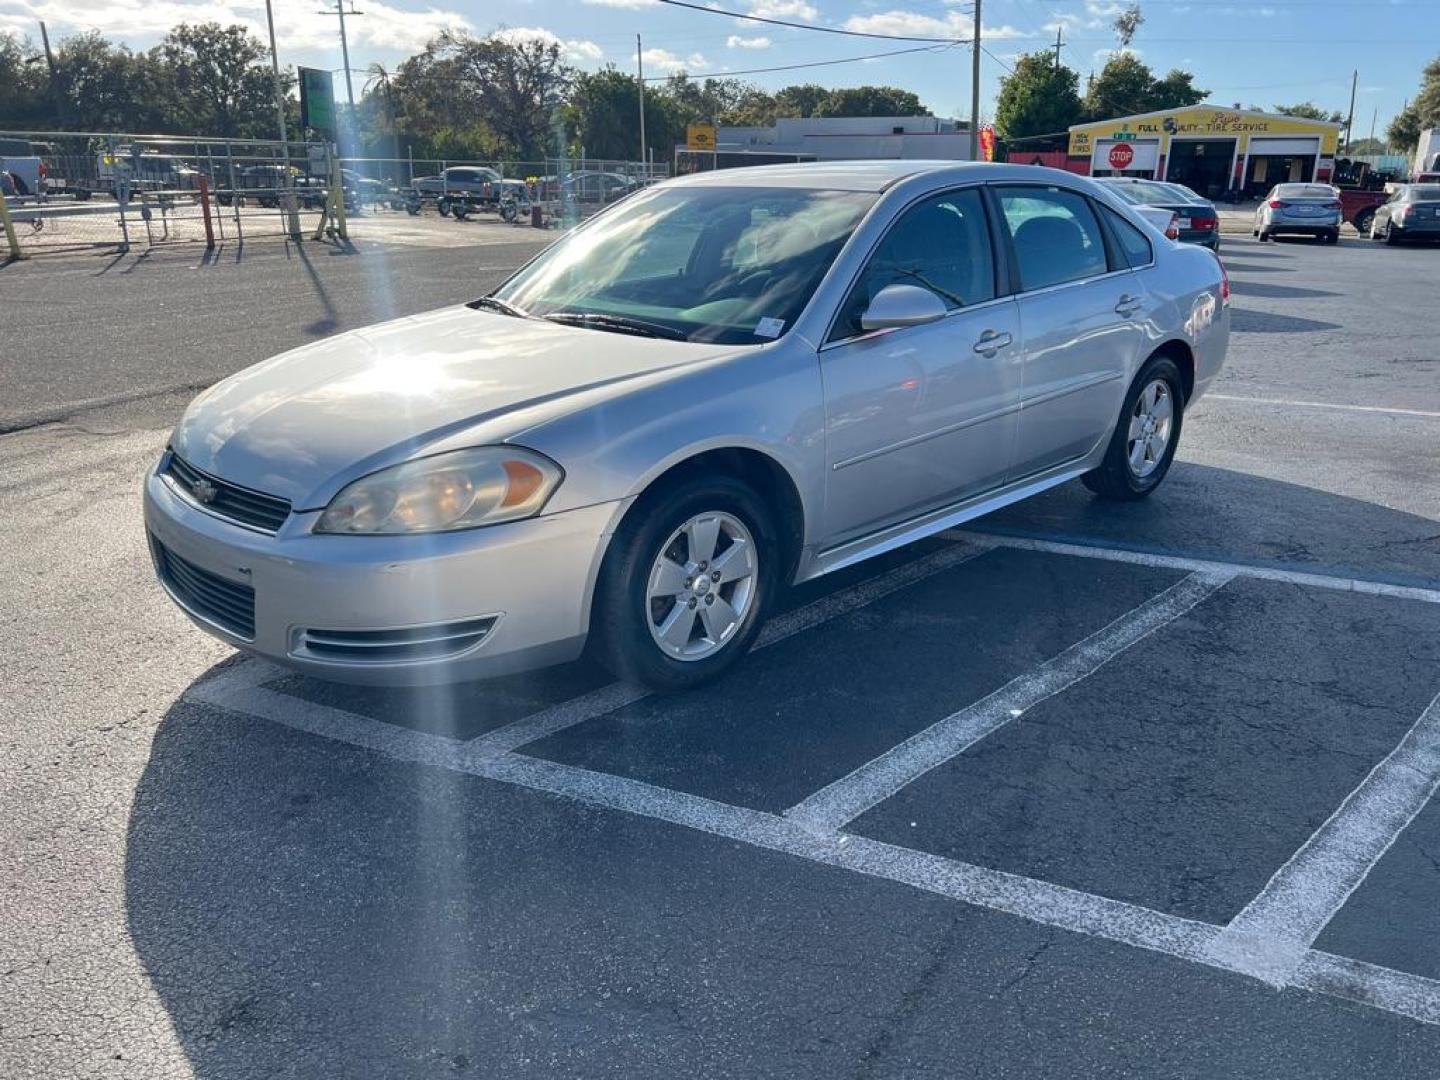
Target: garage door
x,y
1307,145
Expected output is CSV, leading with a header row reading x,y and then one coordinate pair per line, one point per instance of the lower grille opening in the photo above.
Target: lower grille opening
x,y
433,642
227,604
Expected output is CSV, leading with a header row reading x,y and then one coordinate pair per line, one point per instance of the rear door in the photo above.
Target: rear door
x,y
1082,317
924,416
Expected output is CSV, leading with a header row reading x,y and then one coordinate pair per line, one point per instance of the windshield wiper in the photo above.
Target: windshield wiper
x,y
494,303
617,324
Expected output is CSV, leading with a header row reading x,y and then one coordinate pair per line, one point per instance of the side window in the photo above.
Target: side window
x,y
1132,241
941,244
1055,234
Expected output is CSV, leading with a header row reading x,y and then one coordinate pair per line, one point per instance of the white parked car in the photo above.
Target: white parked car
x,y
717,387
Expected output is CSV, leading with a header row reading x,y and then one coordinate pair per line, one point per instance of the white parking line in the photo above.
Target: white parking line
x,y
1183,562
614,696
1271,936
833,806
1423,413
240,689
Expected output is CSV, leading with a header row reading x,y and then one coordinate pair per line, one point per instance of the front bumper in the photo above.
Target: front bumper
x,y
534,578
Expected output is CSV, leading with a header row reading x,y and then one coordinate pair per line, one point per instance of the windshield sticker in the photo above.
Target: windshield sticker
x,y
769,327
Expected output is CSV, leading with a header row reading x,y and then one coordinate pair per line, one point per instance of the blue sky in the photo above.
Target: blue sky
x,y
1263,52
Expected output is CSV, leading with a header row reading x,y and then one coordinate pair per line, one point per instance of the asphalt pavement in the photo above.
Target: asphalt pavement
x,y
1081,790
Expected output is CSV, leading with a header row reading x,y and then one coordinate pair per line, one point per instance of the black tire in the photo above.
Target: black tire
x,y
1390,237
1364,220
620,636
1333,238
443,205
1264,236
1115,479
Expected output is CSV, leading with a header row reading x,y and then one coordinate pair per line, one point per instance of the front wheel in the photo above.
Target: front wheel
x,y
684,587
1143,444
1364,220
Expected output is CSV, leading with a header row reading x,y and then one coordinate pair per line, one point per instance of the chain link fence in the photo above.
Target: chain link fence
x,y
68,191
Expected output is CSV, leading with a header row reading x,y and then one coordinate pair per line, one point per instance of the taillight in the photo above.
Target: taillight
x,y
1204,223
44,171
1172,231
1332,205
1224,282
1276,204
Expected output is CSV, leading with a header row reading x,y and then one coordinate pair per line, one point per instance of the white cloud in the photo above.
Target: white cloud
x,y
297,25
668,63
1105,9
735,41
1104,56
1072,22
784,9
899,23
573,49
628,4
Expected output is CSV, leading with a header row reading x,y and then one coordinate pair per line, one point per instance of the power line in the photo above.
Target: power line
x,y
813,64
811,26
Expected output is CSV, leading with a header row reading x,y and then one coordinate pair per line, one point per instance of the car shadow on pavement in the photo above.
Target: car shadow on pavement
x,y
309,908
1243,321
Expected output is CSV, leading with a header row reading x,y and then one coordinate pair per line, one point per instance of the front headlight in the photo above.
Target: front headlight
x,y
457,490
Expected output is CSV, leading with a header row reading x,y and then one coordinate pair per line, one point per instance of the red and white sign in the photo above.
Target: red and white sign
x,y
1126,155
1121,155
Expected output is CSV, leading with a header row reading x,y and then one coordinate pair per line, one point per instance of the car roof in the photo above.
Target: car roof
x,y
866,175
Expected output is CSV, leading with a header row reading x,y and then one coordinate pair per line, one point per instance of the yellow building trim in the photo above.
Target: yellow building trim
x,y
1201,121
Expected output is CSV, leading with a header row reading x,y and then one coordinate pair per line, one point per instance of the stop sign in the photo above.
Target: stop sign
x,y
1121,155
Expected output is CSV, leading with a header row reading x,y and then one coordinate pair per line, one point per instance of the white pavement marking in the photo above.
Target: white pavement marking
x,y
240,689
614,696
1272,935
834,805
1423,413
1183,562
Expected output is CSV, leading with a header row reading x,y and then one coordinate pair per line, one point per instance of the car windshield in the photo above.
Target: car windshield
x,y
1183,193
1304,191
1147,194
734,265
1424,193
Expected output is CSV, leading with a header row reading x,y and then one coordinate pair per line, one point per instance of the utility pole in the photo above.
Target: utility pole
x,y
1349,124
975,89
1374,115
640,82
345,48
1059,42
275,70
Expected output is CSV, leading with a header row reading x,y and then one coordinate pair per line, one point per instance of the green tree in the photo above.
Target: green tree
x,y
802,99
1308,110
213,80
1038,99
1126,24
1123,87
1177,90
872,101
1427,102
603,114
1404,130
24,90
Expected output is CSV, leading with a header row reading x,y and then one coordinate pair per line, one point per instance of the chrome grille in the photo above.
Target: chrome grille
x,y
434,642
227,604
252,508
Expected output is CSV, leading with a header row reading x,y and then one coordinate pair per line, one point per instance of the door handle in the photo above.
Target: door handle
x,y
1127,305
991,342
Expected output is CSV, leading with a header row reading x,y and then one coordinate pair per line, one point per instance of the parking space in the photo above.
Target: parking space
x,y
1080,789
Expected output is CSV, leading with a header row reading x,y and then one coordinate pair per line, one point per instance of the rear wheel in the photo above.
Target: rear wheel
x,y
1390,237
1364,220
1143,444
443,205
1332,237
685,584
1264,236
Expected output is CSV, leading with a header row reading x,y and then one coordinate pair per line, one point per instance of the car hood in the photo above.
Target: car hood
x,y
304,423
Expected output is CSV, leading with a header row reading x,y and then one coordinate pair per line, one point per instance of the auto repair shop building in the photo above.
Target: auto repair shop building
x,y
1208,149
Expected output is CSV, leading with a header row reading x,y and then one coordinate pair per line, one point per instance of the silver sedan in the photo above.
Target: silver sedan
x,y
720,386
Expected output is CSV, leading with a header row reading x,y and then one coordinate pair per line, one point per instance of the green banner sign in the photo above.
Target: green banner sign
x,y
317,100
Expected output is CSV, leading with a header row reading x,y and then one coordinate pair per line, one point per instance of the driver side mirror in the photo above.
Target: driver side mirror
x,y
902,305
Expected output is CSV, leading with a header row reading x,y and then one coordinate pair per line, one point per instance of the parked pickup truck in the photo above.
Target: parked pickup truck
x,y
1357,206
476,183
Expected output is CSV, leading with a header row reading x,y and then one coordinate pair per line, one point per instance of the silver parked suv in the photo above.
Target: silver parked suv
x,y
721,385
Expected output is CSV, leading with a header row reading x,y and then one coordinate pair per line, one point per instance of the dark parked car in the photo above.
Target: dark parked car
x,y
1413,213
1198,221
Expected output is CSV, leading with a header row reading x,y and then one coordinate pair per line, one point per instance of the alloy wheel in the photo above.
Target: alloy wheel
x,y
1151,422
702,585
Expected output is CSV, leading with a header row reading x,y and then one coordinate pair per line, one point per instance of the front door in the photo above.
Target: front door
x,y
920,417
1082,311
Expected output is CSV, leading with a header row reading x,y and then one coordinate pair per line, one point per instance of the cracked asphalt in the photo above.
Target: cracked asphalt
x,y
193,892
